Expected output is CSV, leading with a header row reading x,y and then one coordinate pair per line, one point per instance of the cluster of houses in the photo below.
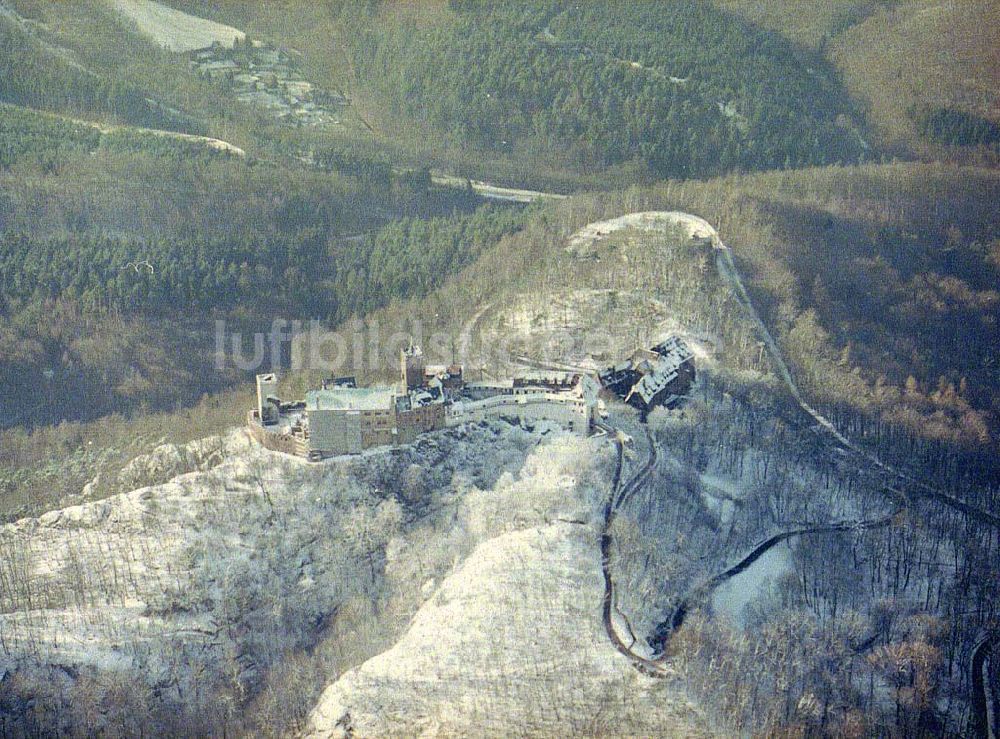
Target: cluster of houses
x,y
266,77
342,418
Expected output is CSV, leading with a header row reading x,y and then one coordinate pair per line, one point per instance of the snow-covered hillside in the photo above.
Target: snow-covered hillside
x,y
513,641
173,29
192,591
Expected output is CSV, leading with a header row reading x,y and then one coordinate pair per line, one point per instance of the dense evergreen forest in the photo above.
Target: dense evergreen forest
x,y
108,324
303,273
683,88
955,127
48,140
33,74
119,246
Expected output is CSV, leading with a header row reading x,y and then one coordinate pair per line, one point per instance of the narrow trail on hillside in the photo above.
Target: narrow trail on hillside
x,y
619,493
663,632
697,227
728,271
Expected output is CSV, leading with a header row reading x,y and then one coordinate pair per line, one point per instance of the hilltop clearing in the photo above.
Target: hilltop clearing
x,y
174,29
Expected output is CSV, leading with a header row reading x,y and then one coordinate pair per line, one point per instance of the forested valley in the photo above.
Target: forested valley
x,y
128,235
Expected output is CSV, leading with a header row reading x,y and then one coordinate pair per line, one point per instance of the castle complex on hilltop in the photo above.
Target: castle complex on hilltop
x,y
341,418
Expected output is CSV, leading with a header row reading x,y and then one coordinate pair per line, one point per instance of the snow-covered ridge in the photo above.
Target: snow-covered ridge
x,y
512,635
516,629
657,221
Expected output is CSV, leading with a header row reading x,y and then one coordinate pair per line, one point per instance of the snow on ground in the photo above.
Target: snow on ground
x,y
217,144
488,534
732,597
571,327
512,641
494,192
173,29
78,581
657,221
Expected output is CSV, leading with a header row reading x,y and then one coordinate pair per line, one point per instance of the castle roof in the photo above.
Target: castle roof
x,y
351,398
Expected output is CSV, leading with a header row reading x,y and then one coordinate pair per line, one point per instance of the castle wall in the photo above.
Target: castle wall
x,y
274,440
410,424
569,411
333,432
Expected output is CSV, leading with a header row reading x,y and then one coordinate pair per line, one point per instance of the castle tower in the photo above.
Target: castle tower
x,y
267,386
411,367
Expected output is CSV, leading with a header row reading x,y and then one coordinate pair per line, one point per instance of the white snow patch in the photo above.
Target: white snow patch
x,y
732,597
656,221
513,633
176,30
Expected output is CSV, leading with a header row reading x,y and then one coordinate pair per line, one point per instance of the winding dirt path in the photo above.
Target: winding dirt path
x,y
666,628
981,708
618,493
697,227
728,271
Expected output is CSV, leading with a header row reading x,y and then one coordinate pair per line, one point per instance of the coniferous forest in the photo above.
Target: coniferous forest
x,y
684,89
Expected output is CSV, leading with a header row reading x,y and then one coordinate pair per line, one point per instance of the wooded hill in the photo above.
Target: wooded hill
x,y
880,282
682,88
136,240
924,71
914,77
872,602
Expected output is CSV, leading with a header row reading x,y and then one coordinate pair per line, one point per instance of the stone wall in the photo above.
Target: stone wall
x,y
276,442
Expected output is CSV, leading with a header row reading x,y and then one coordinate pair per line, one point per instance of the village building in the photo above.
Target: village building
x,y
660,376
341,418
267,78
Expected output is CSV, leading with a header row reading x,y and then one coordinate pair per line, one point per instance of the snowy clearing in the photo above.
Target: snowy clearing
x,y
173,29
217,144
732,597
656,221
